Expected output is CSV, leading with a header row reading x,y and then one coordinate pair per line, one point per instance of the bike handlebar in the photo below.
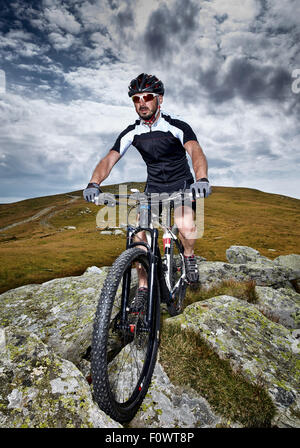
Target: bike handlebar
x,y
140,197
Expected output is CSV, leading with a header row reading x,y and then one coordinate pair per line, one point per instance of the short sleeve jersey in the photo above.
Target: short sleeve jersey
x,y
161,147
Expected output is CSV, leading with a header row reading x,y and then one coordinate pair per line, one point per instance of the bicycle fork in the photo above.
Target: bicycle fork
x,y
152,283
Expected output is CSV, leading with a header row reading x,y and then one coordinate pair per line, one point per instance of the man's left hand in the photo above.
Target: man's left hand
x,y
201,188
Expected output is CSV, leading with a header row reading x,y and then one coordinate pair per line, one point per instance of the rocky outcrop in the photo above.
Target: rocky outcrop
x,y
167,406
291,261
254,345
246,264
245,254
45,333
280,305
60,312
39,389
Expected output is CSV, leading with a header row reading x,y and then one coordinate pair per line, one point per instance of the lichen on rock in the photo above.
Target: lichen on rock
x,y
46,329
254,346
281,305
60,311
40,389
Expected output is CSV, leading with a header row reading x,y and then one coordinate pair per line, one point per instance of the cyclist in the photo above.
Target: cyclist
x,y
162,142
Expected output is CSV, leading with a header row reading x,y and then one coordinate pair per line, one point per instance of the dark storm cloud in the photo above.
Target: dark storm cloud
x,y
253,76
246,79
167,28
125,18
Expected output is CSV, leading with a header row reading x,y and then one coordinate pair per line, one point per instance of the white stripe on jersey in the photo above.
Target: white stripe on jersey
x,y
160,125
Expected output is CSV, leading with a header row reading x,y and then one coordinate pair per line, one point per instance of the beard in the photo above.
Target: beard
x,y
146,117
149,115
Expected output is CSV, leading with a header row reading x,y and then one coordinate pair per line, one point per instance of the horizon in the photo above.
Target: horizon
x,y
122,183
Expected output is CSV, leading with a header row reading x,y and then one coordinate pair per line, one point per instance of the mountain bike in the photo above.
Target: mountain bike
x,y
125,340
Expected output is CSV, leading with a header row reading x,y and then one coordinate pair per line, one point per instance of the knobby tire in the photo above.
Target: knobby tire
x,y
122,364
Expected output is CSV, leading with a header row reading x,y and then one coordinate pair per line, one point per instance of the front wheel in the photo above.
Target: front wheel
x,y
124,350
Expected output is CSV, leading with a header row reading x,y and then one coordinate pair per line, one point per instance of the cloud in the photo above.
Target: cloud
x,y
247,79
56,146
226,67
106,83
61,42
63,19
20,42
179,21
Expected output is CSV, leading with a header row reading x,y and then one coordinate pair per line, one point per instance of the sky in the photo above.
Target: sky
x,y
231,69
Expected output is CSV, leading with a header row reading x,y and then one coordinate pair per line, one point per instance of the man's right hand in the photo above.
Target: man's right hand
x,y
92,190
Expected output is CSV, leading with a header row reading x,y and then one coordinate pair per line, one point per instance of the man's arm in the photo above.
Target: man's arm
x,y
198,158
104,167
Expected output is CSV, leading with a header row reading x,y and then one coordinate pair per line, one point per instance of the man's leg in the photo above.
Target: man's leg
x,y
184,219
142,275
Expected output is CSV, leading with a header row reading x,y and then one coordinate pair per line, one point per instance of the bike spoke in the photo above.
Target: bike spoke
x,y
122,371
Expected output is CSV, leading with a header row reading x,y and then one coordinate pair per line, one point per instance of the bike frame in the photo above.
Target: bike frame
x,y
159,271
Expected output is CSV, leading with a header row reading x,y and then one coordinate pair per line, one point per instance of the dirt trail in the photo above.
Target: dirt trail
x,y
45,220
45,211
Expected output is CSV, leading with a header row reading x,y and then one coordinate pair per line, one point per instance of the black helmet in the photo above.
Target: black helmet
x,y
146,83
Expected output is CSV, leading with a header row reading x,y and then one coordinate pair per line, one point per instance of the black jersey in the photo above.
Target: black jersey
x,y
161,147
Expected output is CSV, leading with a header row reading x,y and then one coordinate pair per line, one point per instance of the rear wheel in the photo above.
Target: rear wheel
x,y
124,351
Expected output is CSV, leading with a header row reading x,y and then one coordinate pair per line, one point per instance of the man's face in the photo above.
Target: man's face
x,y
146,109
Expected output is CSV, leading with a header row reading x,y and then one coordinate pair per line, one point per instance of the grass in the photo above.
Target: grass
x,y
240,290
199,367
227,392
41,250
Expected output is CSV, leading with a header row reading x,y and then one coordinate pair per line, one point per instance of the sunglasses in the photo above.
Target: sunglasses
x,y
146,97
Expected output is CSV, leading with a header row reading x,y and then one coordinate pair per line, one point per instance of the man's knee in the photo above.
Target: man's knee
x,y
184,218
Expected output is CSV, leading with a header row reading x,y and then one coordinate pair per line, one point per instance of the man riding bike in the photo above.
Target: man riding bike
x,y
162,142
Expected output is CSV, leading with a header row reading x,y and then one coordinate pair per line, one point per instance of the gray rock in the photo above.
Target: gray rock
x,y
281,305
60,312
94,270
291,261
211,273
118,232
245,254
41,390
254,346
167,406
164,405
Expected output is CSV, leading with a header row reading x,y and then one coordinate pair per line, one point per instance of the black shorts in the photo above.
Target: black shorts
x,y
169,189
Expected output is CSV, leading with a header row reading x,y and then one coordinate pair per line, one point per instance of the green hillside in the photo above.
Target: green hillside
x,y
35,246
